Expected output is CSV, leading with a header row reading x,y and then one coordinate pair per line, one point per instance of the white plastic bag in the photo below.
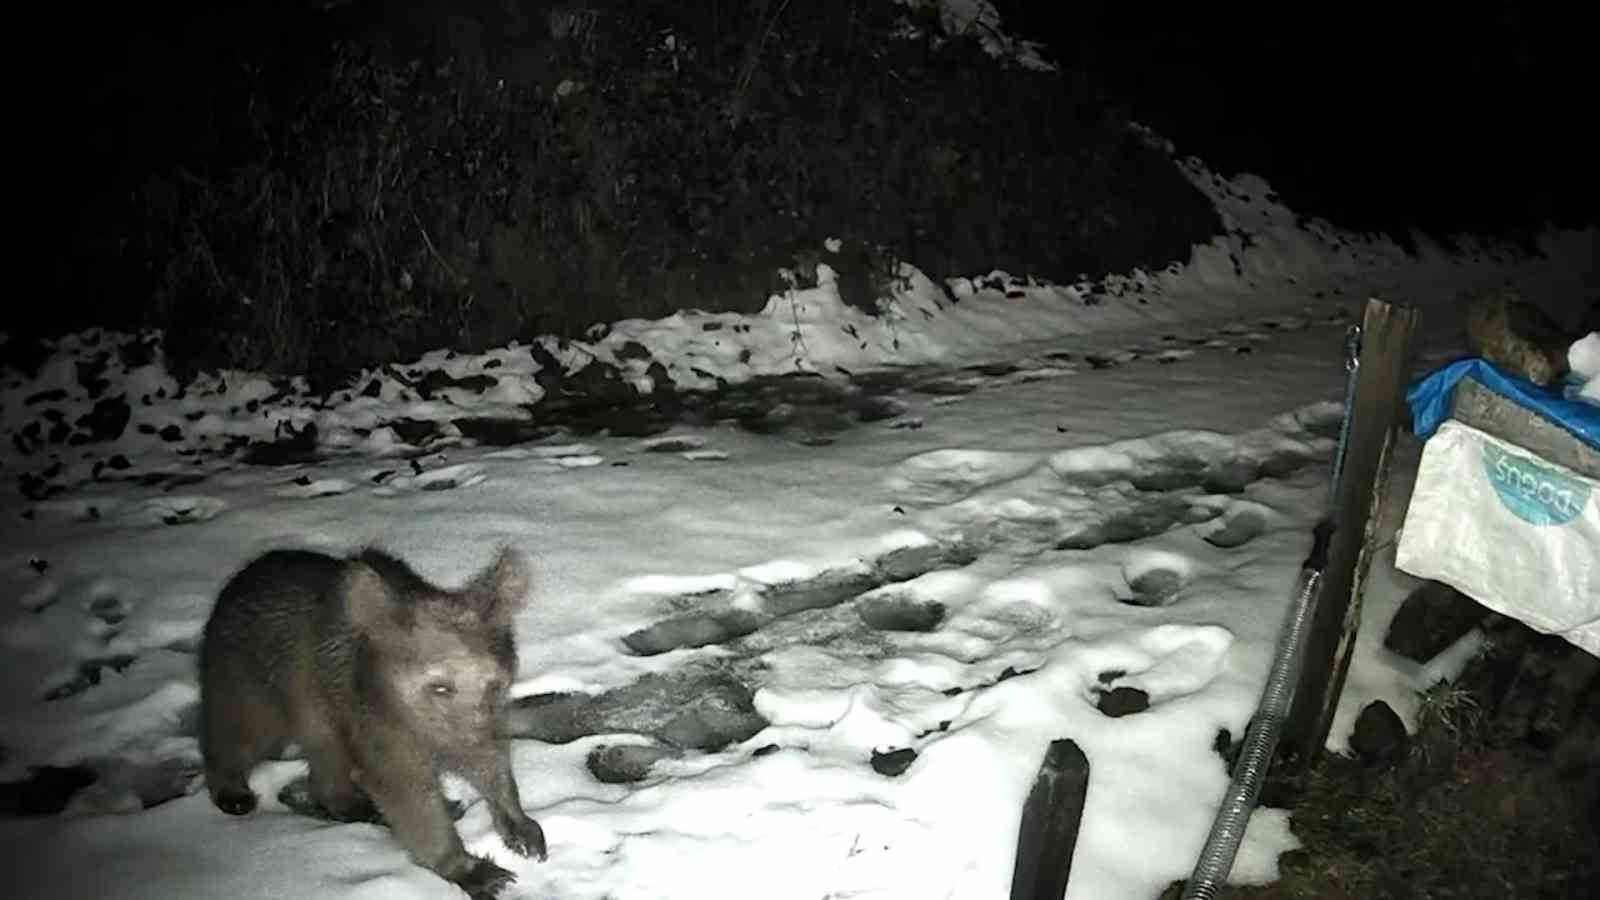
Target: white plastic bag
x,y
1516,533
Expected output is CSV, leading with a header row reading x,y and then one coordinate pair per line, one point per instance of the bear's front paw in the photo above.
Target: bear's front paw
x,y
525,838
484,879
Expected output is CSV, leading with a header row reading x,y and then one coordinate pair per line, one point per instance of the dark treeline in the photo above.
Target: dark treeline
x,y
314,188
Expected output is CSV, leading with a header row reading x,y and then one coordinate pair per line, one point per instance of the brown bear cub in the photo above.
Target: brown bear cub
x,y
385,681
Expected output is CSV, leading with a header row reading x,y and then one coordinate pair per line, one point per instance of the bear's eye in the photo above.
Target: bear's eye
x,y
442,689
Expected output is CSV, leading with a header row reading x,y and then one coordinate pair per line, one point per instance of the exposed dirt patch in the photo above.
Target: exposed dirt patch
x,y
1480,807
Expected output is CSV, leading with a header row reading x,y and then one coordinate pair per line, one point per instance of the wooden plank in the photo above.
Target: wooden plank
x,y
1376,406
1050,819
1510,421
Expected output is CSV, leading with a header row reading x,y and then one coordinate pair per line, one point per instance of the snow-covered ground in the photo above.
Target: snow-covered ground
x,y
1075,489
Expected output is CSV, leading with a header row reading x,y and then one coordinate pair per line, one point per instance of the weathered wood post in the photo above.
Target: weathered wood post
x,y
1376,405
1050,819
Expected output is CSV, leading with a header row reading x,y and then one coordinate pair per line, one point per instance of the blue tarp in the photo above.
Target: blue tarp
x,y
1430,397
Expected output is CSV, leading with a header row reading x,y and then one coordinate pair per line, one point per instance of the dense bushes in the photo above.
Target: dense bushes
x,y
479,178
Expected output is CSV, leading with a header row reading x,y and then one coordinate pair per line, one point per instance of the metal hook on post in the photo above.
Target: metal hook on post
x,y
1352,368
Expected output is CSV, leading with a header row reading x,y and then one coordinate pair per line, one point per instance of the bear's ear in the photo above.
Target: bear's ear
x,y
366,598
501,589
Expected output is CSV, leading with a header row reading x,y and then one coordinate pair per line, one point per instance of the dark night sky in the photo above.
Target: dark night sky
x,y
1461,115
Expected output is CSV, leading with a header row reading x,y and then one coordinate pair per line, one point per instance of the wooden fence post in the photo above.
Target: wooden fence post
x,y
1050,819
1375,408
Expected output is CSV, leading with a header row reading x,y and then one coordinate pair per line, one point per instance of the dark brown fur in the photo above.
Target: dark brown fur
x,y
384,680
1517,336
